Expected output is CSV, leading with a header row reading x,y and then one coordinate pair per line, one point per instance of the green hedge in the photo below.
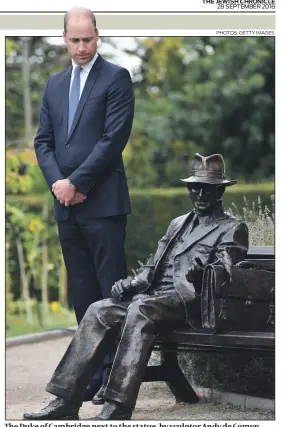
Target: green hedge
x,y
153,209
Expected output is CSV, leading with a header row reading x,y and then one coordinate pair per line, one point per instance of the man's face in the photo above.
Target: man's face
x,y
81,39
205,196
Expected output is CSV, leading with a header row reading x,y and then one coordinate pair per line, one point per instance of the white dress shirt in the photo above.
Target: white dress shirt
x,y
83,74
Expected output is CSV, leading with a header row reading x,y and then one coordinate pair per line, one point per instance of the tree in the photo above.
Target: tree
x,y
207,94
43,60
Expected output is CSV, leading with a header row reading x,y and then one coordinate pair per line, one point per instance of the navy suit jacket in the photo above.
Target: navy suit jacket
x,y
91,155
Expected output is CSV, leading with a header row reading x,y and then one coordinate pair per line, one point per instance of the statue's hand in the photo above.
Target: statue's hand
x,y
121,288
195,272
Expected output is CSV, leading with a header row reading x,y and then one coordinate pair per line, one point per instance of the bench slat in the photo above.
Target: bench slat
x,y
225,339
261,252
264,264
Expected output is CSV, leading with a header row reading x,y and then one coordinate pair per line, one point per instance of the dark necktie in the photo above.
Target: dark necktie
x,y
74,96
195,223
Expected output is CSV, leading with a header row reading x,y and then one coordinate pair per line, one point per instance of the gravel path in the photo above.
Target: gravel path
x,y
29,367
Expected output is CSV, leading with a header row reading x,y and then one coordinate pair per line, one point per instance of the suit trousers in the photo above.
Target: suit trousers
x,y
94,256
137,322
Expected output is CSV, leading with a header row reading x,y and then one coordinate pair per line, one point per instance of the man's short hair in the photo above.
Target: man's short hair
x,y
67,15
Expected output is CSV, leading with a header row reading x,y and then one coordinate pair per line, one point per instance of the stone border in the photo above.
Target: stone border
x,y
244,401
206,394
39,336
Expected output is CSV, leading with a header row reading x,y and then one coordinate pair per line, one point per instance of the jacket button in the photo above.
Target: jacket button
x,y
68,146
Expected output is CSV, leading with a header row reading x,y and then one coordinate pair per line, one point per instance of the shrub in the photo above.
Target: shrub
x,y
23,174
153,210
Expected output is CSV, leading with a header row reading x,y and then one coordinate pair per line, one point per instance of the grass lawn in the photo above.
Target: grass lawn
x,y
16,324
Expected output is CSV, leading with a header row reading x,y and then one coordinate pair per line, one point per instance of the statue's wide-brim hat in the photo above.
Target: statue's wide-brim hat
x,y
209,170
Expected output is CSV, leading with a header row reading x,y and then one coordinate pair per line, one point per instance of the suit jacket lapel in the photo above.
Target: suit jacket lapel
x,y
91,79
65,87
210,224
177,229
199,233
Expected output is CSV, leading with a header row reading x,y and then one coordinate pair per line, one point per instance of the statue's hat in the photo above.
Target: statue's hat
x,y
209,170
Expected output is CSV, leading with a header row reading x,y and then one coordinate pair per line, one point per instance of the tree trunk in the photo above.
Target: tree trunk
x,y
44,273
27,91
63,293
9,294
24,281
44,284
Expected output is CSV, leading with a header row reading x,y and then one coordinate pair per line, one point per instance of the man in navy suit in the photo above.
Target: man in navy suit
x,y
85,122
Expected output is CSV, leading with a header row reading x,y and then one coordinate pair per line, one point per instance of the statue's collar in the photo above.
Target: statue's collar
x,y
214,215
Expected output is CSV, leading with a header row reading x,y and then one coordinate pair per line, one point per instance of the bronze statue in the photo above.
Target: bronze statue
x,y
164,295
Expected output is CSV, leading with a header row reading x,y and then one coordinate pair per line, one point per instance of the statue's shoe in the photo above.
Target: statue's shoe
x,y
57,409
114,411
99,399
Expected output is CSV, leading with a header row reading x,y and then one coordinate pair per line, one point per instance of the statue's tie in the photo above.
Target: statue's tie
x,y
74,96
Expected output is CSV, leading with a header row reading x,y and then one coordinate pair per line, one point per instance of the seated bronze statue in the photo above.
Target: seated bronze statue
x,y
163,295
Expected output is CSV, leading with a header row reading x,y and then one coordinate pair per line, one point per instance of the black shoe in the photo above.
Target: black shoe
x,y
114,411
57,409
91,391
98,399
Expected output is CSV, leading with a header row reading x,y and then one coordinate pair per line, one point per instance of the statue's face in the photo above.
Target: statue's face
x,y
205,196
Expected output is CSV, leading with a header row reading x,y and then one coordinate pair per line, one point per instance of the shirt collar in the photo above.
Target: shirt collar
x,y
86,67
217,212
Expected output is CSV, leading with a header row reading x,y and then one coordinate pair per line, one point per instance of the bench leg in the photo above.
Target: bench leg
x,y
170,372
177,381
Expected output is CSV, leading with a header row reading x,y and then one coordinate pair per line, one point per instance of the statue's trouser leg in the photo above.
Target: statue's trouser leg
x,y
93,338
143,319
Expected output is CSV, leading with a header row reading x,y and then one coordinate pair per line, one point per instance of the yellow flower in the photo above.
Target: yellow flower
x,y
54,306
36,225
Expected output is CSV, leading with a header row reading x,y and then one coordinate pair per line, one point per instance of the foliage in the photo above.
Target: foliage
x,y
17,181
9,303
152,211
138,163
16,324
44,59
31,202
32,230
205,94
23,175
260,221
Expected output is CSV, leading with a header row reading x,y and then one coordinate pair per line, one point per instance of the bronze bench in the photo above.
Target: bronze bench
x,y
186,340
